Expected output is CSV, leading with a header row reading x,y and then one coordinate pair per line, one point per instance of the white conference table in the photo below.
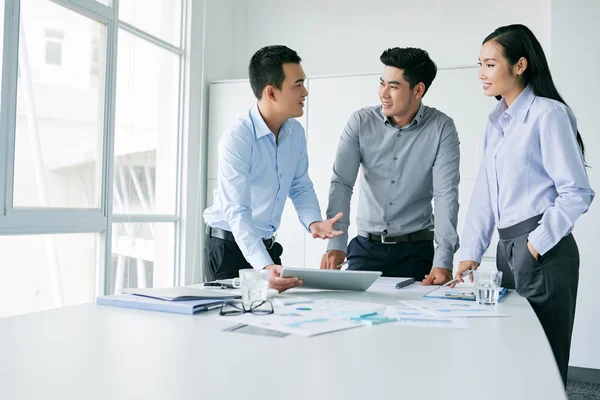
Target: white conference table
x,y
97,352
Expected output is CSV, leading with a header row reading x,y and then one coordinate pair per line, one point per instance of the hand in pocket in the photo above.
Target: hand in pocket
x,y
533,251
526,267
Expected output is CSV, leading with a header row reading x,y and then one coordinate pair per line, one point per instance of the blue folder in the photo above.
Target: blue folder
x,y
147,303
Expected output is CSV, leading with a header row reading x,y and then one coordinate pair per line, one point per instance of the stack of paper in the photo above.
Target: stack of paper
x,y
318,317
181,300
147,303
181,293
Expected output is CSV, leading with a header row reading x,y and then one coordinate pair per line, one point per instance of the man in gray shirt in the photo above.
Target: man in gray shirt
x,y
409,155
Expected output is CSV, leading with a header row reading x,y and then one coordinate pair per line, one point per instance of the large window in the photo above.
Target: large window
x,y
161,18
60,116
142,256
146,127
90,179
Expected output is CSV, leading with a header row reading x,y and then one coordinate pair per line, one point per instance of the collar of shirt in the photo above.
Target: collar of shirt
x,y
518,109
260,126
415,121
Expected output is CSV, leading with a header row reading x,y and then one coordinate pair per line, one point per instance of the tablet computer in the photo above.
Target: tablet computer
x,y
332,278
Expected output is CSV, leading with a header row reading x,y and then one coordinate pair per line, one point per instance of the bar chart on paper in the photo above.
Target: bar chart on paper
x,y
408,316
454,309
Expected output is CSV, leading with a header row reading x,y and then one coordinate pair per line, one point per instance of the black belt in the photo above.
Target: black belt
x,y
226,235
521,228
417,236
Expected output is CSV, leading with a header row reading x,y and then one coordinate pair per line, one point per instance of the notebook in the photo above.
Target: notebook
x,y
181,293
459,293
147,303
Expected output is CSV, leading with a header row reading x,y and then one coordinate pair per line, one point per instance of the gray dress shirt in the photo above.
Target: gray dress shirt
x,y
403,169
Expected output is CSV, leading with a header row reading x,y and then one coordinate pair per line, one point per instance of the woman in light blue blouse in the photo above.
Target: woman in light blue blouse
x,y
532,184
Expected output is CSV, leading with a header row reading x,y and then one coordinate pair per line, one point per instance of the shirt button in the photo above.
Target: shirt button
x,y
395,158
391,203
388,224
280,175
393,181
397,135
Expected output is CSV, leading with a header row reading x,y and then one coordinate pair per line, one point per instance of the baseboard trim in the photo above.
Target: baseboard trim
x,y
589,375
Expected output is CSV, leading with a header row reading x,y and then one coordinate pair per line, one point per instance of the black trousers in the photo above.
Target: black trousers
x,y
223,258
408,259
549,284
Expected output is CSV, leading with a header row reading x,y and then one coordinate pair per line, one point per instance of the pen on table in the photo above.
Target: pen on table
x,y
342,264
466,295
220,286
464,275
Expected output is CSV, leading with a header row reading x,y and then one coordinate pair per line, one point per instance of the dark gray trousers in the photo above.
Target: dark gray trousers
x,y
223,258
408,260
549,284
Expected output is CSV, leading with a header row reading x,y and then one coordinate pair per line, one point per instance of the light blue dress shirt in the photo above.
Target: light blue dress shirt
x,y
532,165
256,175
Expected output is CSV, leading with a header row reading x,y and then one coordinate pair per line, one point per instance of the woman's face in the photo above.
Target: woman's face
x,y
498,78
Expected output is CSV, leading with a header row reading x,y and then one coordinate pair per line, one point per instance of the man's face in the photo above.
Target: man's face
x,y
395,93
290,99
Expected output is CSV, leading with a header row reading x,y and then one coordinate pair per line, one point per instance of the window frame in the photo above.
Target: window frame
x,y
28,221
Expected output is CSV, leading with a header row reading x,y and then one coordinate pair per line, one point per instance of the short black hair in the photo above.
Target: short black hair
x,y
415,63
266,67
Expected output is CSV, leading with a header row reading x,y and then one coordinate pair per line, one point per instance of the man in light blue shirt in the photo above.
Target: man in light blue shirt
x,y
263,160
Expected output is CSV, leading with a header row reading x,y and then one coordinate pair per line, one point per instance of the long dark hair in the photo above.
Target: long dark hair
x,y
518,41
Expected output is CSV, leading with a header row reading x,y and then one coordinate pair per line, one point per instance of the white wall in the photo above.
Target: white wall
x,y
575,53
348,36
336,37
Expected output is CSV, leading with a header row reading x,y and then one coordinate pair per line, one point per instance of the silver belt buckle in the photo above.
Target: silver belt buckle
x,y
272,241
384,242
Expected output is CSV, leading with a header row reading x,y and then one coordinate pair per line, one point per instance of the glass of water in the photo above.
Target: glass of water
x,y
254,285
487,285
